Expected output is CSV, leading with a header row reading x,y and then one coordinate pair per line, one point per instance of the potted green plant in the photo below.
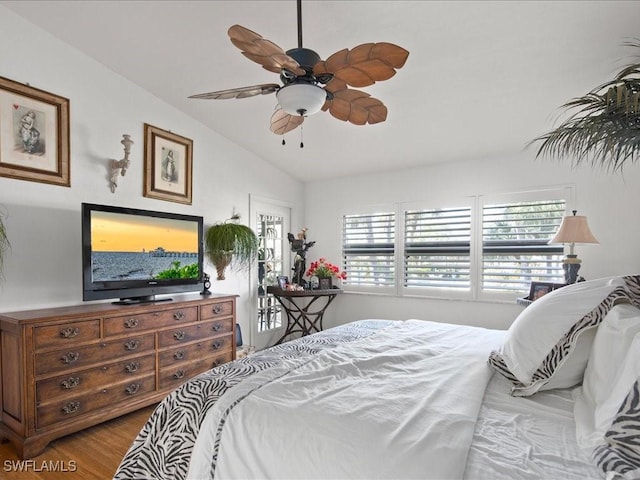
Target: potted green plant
x,y
4,244
230,243
605,127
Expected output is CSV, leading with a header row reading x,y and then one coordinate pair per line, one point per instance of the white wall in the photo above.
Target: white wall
x,y
44,267
609,201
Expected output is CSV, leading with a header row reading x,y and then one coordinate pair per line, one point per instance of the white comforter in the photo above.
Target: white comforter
x,y
401,403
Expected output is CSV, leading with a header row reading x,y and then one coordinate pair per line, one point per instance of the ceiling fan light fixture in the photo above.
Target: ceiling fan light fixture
x,y
301,98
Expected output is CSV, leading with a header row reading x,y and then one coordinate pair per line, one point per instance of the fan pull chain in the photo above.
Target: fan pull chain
x,y
301,140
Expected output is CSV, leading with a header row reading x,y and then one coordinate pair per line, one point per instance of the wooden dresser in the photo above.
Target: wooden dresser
x,y
65,369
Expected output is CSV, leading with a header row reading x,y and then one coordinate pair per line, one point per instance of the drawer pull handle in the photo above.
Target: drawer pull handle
x,y
217,362
131,323
71,382
217,327
179,374
217,344
179,315
69,332
131,345
71,407
132,389
179,335
217,309
70,357
102,344
132,367
179,355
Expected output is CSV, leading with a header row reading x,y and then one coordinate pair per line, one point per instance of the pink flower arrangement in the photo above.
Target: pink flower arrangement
x,y
323,269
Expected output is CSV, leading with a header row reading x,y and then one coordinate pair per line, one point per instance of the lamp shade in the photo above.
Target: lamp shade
x,y
574,229
301,98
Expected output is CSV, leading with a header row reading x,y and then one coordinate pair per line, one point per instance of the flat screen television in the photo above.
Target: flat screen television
x,y
133,255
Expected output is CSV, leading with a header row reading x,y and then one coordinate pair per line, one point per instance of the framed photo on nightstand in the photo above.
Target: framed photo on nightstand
x,y
539,289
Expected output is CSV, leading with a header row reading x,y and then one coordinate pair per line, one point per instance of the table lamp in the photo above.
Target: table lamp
x,y
573,229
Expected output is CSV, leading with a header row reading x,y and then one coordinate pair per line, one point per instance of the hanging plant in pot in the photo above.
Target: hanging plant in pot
x,y
230,244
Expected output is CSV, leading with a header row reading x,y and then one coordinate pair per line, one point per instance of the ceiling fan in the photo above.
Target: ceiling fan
x,y
310,84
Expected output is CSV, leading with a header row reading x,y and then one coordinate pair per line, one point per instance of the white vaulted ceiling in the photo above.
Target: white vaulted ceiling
x,y
482,78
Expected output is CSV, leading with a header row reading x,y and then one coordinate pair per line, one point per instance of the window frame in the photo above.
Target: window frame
x,y
476,204
551,193
429,291
370,210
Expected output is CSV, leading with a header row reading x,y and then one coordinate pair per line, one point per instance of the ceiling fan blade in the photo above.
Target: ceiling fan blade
x,y
242,92
283,122
262,51
365,64
355,107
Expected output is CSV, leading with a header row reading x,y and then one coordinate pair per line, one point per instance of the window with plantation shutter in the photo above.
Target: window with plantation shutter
x,y
477,247
437,248
515,244
368,250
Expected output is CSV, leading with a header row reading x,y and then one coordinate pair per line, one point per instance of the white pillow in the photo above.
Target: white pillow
x,y
618,454
548,345
610,347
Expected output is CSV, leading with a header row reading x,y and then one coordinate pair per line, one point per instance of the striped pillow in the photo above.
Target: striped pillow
x,y
548,345
619,455
618,451
597,401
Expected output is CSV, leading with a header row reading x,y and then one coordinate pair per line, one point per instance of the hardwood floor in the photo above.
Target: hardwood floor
x,y
92,454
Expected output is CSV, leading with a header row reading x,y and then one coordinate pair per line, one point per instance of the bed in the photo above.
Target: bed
x,y
417,399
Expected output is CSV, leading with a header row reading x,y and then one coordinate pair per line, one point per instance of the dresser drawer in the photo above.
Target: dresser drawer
x,y
195,351
175,336
171,377
79,382
214,310
73,358
66,333
131,324
111,395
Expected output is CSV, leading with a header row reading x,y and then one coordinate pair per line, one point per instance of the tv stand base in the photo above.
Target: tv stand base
x,y
141,300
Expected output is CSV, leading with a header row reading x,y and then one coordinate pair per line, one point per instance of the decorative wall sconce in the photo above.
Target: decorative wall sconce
x,y
120,166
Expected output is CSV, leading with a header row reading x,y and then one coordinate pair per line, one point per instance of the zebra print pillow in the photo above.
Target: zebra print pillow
x,y
548,345
618,451
608,363
619,455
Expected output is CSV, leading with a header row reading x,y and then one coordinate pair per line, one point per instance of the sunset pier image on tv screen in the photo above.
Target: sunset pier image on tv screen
x,y
134,254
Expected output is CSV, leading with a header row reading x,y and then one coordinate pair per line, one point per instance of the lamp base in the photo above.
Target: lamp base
x,y
571,266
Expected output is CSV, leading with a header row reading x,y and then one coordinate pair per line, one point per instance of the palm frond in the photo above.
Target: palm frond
x,y
604,128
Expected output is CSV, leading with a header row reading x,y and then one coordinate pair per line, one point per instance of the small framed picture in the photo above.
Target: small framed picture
x,y
559,285
168,162
283,281
34,134
539,289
